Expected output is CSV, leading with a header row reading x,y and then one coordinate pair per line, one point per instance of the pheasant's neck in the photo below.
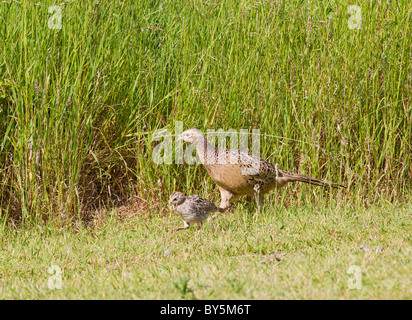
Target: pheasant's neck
x,y
205,150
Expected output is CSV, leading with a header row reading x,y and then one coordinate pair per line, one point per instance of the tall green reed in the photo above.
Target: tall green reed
x,y
79,104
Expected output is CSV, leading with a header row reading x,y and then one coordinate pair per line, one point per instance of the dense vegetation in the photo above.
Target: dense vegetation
x,y
80,100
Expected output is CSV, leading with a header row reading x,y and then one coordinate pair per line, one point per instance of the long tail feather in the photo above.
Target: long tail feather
x,y
318,182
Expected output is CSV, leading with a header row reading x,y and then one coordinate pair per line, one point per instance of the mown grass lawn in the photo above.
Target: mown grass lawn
x,y
295,252
84,87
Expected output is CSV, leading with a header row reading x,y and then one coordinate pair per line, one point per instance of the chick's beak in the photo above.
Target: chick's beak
x,y
179,138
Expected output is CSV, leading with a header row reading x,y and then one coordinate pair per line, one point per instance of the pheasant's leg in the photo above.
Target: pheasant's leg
x,y
184,227
260,202
258,197
212,217
226,197
200,225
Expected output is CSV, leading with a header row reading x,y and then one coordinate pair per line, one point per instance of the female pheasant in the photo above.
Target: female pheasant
x,y
238,173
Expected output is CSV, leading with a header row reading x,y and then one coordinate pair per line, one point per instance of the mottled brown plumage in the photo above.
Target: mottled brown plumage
x,y
192,209
238,173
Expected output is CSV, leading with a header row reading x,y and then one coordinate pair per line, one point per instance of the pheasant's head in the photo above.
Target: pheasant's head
x,y
191,135
176,198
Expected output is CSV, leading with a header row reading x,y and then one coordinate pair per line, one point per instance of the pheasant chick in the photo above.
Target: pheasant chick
x,y
192,209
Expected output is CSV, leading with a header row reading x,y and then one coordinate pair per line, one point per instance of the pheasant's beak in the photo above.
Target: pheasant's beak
x,y
179,138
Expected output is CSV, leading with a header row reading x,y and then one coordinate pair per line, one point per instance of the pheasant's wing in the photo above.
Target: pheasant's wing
x,y
201,204
255,169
